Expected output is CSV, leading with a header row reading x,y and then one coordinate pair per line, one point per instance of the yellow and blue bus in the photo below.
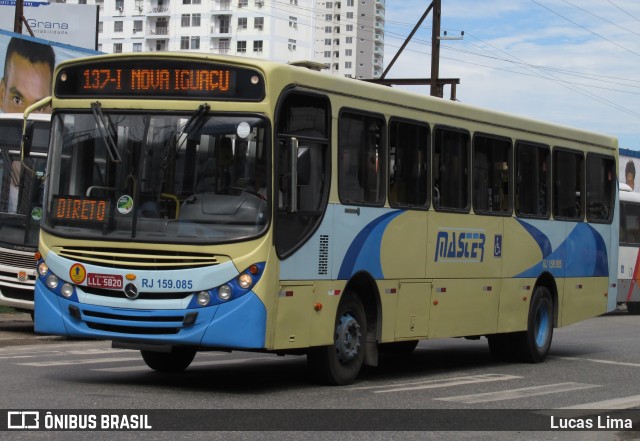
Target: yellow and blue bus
x,y
21,186
199,202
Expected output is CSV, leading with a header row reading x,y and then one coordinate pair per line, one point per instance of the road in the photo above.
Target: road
x,y
592,365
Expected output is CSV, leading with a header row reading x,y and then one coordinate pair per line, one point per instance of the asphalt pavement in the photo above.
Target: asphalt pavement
x,y
17,329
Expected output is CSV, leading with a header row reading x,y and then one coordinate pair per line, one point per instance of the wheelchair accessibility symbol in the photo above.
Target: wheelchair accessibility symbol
x,y
497,246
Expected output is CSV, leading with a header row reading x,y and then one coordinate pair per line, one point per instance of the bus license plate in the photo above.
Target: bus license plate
x,y
111,281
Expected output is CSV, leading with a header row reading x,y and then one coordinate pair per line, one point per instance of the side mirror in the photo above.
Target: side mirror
x,y
27,128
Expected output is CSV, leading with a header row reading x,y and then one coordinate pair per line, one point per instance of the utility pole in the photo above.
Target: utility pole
x,y
17,21
436,86
436,83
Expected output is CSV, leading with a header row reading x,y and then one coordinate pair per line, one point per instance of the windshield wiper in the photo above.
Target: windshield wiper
x,y
195,120
173,146
105,132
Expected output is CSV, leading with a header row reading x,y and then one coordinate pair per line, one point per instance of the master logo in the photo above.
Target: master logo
x,y
457,245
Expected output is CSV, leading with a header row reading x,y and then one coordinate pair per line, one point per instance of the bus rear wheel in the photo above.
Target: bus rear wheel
x,y
534,343
340,363
175,361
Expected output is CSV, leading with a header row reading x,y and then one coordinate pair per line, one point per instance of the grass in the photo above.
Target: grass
x,y
6,310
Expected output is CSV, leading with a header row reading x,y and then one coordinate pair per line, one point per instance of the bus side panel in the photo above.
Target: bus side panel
x,y
412,311
465,260
464,307
293,315
588,252
403,250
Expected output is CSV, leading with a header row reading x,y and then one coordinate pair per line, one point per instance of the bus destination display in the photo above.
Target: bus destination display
x,y
80,209
159,79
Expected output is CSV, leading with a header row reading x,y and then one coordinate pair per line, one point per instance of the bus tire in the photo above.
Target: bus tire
x,y
633,308
175,361
534,343
340,363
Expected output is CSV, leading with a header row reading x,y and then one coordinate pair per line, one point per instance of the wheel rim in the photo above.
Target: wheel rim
x,y
347,338
542,325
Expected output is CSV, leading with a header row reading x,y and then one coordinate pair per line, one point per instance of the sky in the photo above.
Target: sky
x,y
571,62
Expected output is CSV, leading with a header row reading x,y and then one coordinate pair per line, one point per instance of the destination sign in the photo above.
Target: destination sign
x,y
156,78
79,209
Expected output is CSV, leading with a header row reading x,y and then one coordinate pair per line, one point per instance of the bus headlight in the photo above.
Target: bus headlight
x,y
245,281
224,293
52,281
43,269
66,290
203,298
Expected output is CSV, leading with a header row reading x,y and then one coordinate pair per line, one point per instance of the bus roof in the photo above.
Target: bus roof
x,y
284,75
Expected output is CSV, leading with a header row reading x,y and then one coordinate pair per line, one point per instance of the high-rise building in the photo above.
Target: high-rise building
x,y
347,35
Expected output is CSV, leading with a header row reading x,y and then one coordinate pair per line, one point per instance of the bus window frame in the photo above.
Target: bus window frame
x,y
518,145
425,124
614,188
510,174
384,156
554,170
438,207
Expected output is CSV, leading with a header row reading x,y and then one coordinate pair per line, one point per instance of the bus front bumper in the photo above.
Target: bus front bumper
x,y
238,324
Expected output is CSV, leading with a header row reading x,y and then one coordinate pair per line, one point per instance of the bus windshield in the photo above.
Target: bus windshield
x,y
187,178
21,186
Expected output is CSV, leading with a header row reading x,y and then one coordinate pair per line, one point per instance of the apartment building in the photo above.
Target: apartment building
x,y
347,35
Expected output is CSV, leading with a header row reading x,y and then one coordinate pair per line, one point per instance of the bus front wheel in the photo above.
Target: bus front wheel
x,y
535,342
175,361
340,363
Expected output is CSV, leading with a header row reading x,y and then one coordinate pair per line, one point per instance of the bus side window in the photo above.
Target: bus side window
x,y
491,174
362,165
408,164
451,151
568,184
600,188
532,180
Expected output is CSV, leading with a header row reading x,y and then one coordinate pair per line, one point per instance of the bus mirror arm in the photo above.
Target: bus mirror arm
x,y
27,129
294,175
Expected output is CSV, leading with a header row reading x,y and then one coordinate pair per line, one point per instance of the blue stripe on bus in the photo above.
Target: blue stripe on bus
x,y
582,254
364,251
543,241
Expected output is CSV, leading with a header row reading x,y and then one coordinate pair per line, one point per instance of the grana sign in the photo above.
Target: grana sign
x,y
58,22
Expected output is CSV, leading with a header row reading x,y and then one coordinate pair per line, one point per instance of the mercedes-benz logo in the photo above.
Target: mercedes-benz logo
x,y
131,291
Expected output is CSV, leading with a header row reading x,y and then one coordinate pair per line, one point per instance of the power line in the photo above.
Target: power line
x,y
601,18
585,28
626,12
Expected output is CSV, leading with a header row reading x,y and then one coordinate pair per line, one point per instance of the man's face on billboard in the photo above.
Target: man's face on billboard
x,y
24,84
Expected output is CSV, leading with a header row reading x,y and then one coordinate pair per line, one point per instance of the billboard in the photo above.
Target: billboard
x,y
629,169
27,65
59,22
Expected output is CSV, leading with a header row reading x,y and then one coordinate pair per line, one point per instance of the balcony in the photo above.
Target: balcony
x,y
158,11
221,31
158,32
219,50
221,8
